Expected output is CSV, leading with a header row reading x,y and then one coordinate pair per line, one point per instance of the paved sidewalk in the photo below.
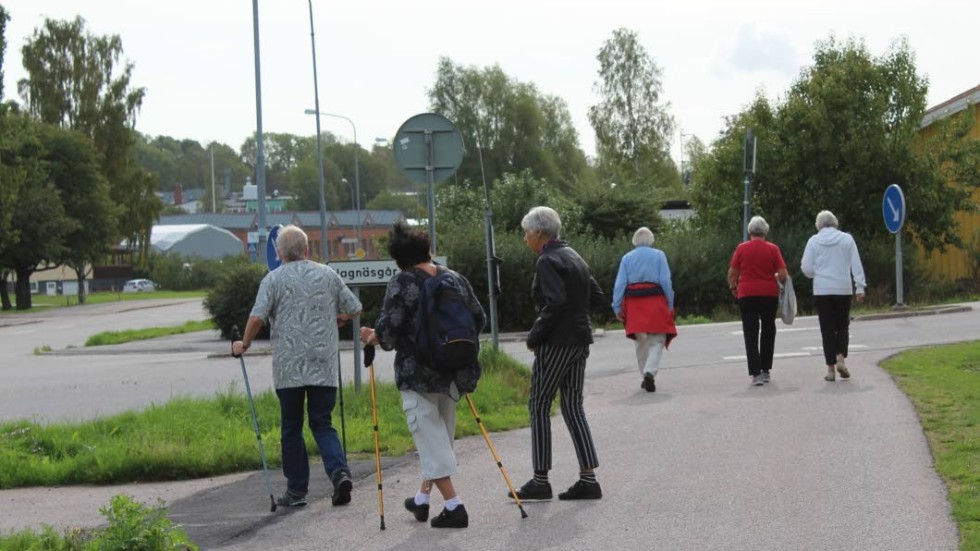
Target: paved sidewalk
x,y
706,462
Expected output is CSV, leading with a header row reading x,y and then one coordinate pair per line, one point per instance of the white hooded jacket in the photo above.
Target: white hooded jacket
x,y
830,258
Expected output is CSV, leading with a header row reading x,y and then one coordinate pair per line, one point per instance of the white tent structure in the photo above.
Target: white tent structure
x,y
202,240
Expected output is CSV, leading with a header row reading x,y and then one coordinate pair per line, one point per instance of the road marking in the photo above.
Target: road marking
x,y
782,355
784,330
820,348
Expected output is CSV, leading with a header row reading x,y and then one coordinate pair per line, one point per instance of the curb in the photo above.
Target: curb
x,y
930,311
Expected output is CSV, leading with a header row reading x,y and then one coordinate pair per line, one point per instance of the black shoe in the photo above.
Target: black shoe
x,y
457,518
532,491
648,384
342,487
421,512
582,490
289,500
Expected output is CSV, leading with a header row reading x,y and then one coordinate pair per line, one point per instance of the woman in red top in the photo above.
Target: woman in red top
x,y
752,277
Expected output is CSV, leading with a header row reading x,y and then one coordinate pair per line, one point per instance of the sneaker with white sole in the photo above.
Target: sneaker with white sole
x,y
757,380
765,376
842,368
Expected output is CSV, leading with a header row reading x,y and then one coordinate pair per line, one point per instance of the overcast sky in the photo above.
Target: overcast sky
x,y
377,58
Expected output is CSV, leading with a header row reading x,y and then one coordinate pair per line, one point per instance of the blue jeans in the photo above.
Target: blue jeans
x,y
320,401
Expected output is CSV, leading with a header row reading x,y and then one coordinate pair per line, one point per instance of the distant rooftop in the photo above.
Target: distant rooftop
x,y
951,106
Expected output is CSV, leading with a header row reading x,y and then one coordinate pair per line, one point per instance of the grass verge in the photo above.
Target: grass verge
x,y
119,337
198,437
944,385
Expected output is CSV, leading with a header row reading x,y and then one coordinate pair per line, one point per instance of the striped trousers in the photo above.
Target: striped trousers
x,y
559,368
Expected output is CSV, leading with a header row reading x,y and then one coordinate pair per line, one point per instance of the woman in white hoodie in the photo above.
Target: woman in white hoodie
x,y
831,259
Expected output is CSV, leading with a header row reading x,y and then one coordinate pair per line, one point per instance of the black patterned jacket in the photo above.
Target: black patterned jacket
x,y
395,329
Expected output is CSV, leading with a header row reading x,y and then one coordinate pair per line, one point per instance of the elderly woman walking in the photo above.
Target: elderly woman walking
x,y
643,299
428,397
831,258
563,291
752,275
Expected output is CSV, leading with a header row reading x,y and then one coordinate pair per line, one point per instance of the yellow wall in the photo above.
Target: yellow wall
x,y
955,263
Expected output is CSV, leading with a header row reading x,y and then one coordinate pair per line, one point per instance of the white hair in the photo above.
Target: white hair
x,y
826,219
643,237
291,243
542,219
758,226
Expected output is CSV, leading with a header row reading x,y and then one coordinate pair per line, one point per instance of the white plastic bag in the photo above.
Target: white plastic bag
x,y
787,301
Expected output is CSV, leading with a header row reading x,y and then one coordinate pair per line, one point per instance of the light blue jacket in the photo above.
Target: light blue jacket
x,y
642,265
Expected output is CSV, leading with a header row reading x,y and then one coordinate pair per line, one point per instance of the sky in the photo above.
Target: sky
x,y
376,59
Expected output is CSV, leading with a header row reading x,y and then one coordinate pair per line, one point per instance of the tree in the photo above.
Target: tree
x,y
77,80
631,125
90,216
849,127
4,18
516,127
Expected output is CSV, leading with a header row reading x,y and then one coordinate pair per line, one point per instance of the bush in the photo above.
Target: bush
x,y
179,273
231,299
132,527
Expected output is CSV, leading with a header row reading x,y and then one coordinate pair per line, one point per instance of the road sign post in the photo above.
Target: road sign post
x,y
893,211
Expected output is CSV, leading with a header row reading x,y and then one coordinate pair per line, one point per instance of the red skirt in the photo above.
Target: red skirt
x,y
648,313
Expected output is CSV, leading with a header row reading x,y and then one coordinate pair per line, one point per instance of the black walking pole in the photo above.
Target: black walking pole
x,y
369,363
237,336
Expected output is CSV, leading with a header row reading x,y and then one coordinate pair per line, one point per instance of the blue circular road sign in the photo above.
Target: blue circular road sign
x,y
893,208
271,255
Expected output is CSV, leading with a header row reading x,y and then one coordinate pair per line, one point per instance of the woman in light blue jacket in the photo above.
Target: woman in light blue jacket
x,y
831,258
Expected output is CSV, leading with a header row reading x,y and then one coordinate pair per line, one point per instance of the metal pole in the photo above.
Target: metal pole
x,y
357,188
492,282
899,284
357,349
430,179
259,146
745,209
324,249
214,201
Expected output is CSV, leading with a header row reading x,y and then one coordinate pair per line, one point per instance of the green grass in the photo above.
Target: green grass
x,y
198,437
944,385
119,337
46,302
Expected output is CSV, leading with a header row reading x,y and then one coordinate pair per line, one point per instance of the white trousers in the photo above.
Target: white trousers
x,y
649,349
431,419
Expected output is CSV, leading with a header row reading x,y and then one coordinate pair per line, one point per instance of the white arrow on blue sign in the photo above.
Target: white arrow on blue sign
x,y
893,208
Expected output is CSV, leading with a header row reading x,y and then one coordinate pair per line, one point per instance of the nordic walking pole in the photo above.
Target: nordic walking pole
x,y
340,394
496,458
369,363
237,336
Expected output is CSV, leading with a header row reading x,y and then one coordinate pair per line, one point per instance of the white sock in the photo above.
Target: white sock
x,y
421,499
451,504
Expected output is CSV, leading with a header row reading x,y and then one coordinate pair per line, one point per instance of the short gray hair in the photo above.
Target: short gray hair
x,y
643,237
826,219
758,226
291,243
544,220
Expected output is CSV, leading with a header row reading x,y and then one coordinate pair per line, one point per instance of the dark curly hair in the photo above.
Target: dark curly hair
x,y
408,246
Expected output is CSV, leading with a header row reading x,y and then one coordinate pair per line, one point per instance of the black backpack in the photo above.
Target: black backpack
x,y
446,336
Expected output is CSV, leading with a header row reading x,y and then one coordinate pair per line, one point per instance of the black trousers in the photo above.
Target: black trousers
x,y
834,314
759,330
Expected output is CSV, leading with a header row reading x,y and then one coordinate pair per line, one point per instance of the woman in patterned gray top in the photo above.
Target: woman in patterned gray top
x,y
428,397
303,301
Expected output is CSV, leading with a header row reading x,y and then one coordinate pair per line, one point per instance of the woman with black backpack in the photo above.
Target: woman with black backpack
x,y
429,394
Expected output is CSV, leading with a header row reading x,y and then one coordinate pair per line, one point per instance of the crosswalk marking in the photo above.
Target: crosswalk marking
x,y
781,355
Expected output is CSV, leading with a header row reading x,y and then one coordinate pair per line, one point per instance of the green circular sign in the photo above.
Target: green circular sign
x,y
428,141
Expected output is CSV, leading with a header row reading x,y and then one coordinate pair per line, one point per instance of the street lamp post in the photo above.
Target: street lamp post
x,y
324,245
357,167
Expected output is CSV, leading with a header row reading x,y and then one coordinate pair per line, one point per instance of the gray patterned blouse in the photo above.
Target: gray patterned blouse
x,y
300,301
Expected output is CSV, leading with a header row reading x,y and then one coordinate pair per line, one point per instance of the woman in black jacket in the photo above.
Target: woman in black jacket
x,y
564,291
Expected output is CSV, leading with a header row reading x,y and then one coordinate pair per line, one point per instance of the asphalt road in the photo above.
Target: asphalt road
x,y
707,462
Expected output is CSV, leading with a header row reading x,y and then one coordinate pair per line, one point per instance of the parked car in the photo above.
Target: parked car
x,y
139,286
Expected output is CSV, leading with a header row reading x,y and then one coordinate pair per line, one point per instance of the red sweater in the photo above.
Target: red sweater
x,y
757,261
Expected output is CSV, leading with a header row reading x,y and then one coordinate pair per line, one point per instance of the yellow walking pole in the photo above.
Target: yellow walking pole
x,y
496,458
369,363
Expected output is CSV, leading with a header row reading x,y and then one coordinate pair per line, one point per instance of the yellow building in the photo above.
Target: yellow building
x,y
955,263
